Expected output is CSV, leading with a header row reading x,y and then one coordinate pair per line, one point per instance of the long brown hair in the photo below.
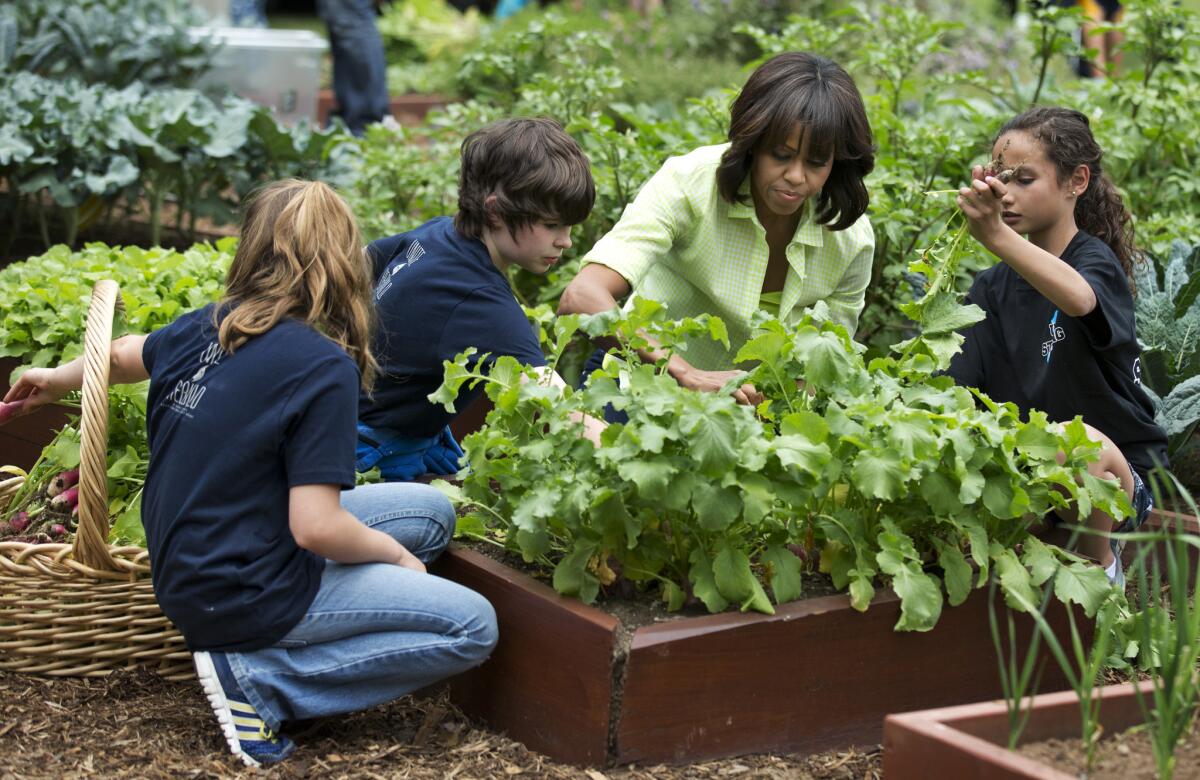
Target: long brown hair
x,y
818,94
1067,141
300,256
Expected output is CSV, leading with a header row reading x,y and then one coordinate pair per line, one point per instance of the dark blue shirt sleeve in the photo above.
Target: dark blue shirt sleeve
x,y
150,349
1112,321
382,251
320,420
490,320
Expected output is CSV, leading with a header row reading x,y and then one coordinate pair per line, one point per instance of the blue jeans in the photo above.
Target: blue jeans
x,y
359,68
375,631
248,13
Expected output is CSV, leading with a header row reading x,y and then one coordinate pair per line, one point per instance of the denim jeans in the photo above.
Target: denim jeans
x,y
375,631
248,13
359,68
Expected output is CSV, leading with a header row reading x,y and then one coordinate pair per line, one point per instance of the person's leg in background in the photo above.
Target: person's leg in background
x,y
359,67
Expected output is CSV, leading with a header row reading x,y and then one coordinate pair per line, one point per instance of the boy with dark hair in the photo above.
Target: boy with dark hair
x,y
443,287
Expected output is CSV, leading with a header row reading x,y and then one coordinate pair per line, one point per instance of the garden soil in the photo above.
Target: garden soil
x,y
136,725
1125,756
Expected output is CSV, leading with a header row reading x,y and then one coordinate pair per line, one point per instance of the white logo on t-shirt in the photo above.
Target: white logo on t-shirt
x,y
186,395
414,253
1137,370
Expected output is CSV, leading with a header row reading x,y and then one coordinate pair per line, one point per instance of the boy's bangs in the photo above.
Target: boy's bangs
x,y
569,197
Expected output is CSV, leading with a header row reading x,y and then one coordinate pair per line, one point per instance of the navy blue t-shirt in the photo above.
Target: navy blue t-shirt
x,y
1030,353
437,292
229,435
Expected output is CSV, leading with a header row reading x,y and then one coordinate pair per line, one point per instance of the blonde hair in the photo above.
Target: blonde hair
x,y
300,256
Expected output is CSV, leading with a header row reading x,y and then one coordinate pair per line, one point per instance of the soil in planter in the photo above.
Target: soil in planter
x,y
1124,756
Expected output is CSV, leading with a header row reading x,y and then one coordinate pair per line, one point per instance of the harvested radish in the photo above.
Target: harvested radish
x,y
68,498
64,480
19,522
7,410
58,530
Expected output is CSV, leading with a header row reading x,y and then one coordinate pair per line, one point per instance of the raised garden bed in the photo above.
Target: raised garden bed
x,y
1159,520
407,109
968,740
816,675
22,439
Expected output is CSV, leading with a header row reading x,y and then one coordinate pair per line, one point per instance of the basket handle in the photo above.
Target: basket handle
x,y
91,539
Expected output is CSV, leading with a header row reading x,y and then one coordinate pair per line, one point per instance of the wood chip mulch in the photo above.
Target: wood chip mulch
x,y
136,725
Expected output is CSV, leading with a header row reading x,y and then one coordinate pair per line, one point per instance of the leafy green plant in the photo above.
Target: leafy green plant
x,y
1085,663
1020,675
128,458
1168,316
1167,309
114,42
425,42
1169,630
887,469
44,299
84,148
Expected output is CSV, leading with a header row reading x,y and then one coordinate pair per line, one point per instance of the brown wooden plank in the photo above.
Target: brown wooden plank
x,y
471,419
22,438
817,675
1158,521
967,740
548,683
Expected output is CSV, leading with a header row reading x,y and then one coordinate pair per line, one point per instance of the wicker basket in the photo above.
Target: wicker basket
x,y
87,608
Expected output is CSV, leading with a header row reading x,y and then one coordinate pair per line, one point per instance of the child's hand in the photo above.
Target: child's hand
x,y
408,560
983,204
35,388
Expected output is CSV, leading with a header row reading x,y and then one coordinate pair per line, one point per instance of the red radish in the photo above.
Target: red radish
x,y
62,481
19,522
7,410
67,498
58,530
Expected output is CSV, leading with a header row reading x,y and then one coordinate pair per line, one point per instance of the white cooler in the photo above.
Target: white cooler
x,y
277,68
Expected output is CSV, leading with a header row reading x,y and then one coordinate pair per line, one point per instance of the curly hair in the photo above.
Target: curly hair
x,y
1067,140
300,255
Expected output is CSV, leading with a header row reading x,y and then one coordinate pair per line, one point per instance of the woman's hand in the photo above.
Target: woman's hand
x,y
983,204
713,381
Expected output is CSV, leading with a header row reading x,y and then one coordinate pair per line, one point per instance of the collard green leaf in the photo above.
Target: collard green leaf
x,y
1039,559
571,575
1019,591
704,584
785,573
652,477
1079,583
956,570
715,507
878,474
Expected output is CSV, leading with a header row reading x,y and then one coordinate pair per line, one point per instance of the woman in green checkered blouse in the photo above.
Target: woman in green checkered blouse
x,y
774,220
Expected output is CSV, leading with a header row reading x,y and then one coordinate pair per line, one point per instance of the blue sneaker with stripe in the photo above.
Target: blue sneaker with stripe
x,y
248,736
